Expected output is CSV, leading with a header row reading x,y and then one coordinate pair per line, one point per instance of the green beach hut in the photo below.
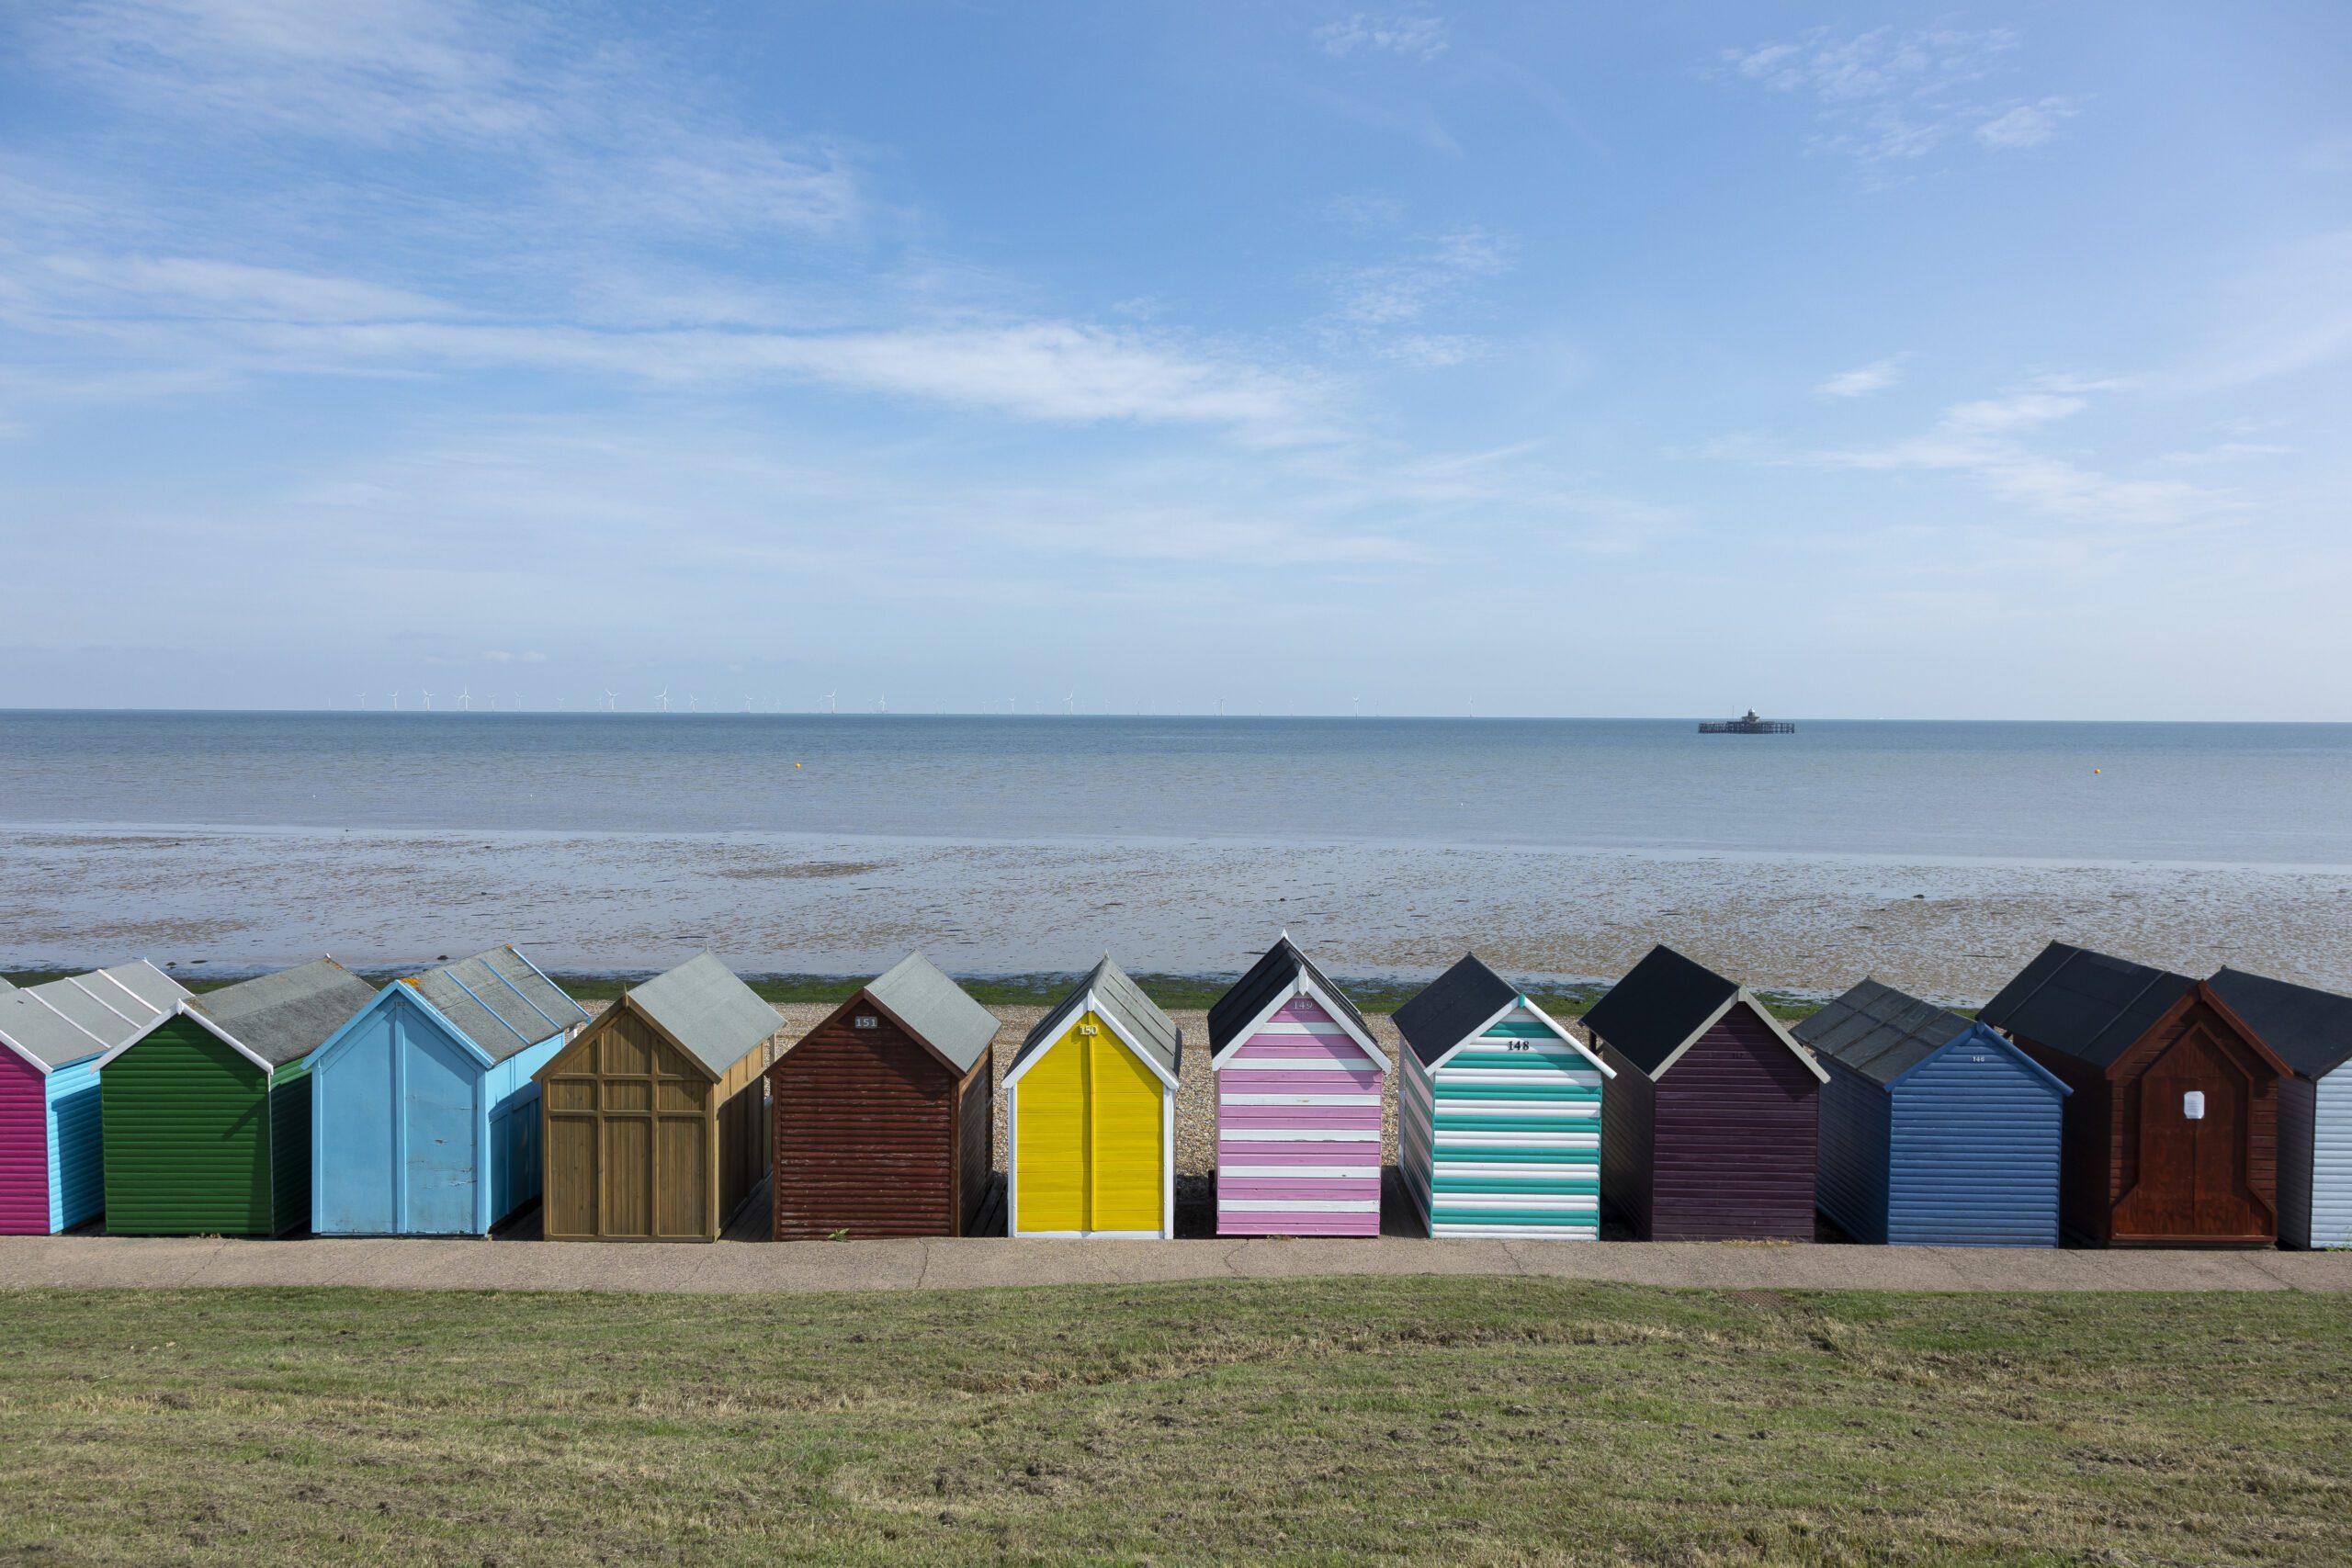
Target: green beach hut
x,y
207,1111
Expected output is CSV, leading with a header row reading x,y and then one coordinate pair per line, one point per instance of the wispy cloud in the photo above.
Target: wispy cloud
x,y
1864,379
1412,36
1385,305
1889,98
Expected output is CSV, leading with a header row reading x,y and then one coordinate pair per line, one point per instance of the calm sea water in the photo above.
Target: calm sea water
x,y
2222,794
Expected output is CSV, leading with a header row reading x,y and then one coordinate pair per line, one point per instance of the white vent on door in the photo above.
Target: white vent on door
x,y
2192,1105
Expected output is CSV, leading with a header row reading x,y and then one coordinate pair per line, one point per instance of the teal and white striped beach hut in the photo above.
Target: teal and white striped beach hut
x,y
1498,1113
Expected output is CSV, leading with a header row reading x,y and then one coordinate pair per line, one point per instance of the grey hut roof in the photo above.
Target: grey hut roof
x,y
1124,1001
64,1020
936,1011
499,1001
1442,1014
714,1016
2307,1029
1282,967
1879,1032
284,1017
2083,1004
1662,1001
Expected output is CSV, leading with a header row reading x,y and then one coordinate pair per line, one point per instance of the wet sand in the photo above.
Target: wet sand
x,y
1951,930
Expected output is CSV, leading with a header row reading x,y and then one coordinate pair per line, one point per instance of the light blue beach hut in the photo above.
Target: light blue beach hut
x,y
428,1117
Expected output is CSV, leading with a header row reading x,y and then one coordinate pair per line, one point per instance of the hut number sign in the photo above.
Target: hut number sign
x,y
865,1021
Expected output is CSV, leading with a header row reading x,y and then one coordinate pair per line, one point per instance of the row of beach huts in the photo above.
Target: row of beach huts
x,y
2094,1098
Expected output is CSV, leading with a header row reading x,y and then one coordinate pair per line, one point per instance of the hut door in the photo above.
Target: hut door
x,y
2192,1146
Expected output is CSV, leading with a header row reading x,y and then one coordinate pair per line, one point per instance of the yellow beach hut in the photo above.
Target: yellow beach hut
x,y
1091,1109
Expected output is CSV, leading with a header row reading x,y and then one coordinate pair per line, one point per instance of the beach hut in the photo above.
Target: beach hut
x,y
654,1117
426,1115
2311,1031
2171,1132
1934,1131
1498,1112
51,1035
1298,1103
207,1110
885,1113
1708,1131
1090,1115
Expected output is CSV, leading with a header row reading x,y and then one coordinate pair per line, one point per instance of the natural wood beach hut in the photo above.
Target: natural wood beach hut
x,y
1708,1131
653,1115
426,1114
1934,1131
2311,1031
2171,1132
1090,1116
52,1175
1498,1112
208,1110
885,1113
1298,1103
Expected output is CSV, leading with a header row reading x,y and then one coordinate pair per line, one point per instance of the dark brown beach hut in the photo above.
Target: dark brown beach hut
x,y
2171,1137
884,1112
1708,1130
654,1124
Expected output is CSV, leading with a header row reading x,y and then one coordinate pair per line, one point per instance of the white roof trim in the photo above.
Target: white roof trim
x,y
1304,986
143,1005
1078,1016
1737,999
184,1010
35,1063
76,981
1545,1019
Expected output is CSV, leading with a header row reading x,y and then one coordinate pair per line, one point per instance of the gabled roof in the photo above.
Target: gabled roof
x,y
2309,1030
97,1007
44,1037
1666,1002
1284,972
936,1011
499,1000
2083,1004
1452,1008
284,1017
707,1013
1880,1033
1107,990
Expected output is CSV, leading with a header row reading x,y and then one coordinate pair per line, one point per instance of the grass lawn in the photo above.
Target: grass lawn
x,y
1476,1420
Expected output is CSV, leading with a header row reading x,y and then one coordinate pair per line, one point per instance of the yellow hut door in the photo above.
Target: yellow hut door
x,y
1090,1136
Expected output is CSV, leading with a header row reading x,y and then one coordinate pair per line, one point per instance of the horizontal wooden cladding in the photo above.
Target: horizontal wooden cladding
x,y
870,1132
1732,1139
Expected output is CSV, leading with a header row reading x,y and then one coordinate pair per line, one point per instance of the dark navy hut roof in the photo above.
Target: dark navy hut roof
x,y
2307,1029
284,1017
1879,1032
1124,1001
935,1010
1443,1012
1655,1010
2083,1004
499,1001
1283,966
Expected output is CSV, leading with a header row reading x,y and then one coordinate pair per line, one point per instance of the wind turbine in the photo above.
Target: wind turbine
x,y
609,696
665,699
1070,704
396,702
428,702
691,705
363,701
1220,708
883,704
747,702
831,700
465,701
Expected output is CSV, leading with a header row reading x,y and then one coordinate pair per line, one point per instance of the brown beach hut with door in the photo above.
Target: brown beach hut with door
x,y
2171,1135
1708,1130
654,1125
884,1112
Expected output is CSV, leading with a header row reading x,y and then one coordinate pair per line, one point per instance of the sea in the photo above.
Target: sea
x,y
825,843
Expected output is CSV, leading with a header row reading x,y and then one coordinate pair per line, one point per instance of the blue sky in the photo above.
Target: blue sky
x,y
1540,360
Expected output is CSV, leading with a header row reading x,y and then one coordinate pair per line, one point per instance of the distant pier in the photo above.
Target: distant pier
x,y
1746,724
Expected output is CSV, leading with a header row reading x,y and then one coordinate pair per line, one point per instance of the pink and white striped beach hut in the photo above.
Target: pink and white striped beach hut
x,y
1298,1103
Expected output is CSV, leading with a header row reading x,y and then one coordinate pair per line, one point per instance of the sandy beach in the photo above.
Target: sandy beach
x,y
1953,930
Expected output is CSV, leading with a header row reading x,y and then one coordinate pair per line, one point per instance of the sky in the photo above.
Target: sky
x,y
1543,359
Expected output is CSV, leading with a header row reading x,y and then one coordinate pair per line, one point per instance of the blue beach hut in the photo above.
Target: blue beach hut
x,y
426,1117
1934,1131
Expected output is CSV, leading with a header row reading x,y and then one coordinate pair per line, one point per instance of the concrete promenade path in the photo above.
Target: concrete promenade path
x,y
517,1261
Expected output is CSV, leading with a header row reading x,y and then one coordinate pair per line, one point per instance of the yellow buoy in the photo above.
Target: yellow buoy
x,y
795,764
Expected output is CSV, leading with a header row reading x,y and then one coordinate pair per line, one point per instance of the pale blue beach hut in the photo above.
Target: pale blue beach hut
x,y
426,1116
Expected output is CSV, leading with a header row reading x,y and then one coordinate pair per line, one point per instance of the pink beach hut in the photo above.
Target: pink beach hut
x,y
1298,1103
